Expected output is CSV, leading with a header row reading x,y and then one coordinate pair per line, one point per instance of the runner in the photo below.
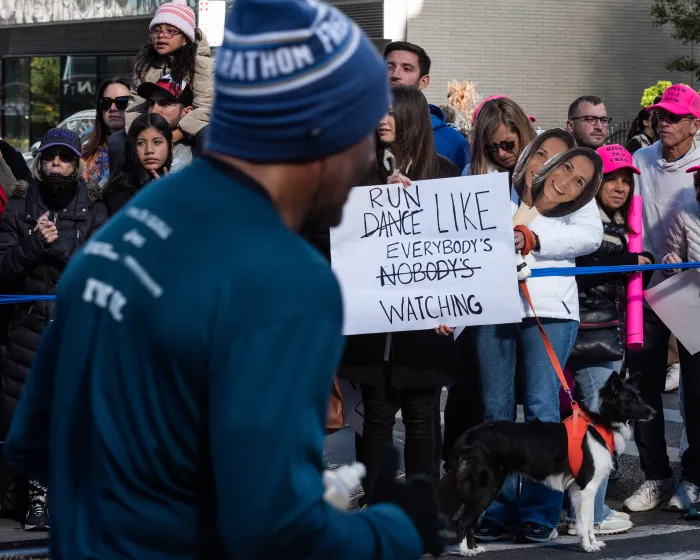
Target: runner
x,y
178,405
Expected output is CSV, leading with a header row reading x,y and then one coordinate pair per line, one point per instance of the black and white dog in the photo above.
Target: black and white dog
x,y
485,455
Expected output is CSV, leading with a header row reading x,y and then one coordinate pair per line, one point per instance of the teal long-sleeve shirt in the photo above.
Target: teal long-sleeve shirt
x,y
177,404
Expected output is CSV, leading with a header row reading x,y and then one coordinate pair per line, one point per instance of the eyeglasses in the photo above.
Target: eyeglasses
x,y
167,33
671,117
120,102
508,146
590,120
64,156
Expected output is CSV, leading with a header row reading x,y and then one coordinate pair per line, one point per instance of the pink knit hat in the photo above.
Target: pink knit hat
x,y
178,14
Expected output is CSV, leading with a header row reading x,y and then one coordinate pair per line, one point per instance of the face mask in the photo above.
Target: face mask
x,y
57,183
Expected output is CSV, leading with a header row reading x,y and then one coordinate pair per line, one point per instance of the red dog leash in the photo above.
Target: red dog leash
x,y
577,424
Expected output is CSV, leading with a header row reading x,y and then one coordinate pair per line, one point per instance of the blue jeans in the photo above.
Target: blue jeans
x,y
589,380
497,348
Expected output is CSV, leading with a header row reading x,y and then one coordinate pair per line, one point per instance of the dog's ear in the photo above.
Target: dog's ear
x,y
635,379
613,384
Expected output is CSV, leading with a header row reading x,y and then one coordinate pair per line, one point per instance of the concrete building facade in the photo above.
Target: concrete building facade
x,y
542,53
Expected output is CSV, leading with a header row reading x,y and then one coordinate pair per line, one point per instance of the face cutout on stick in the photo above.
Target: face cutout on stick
x,y
567,182
543,148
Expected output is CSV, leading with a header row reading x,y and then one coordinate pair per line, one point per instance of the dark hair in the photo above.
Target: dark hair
x,y
493,114
423,58
182,63
624,210
589,191
99,131
130,175
521,165
637,125
592,99
414,144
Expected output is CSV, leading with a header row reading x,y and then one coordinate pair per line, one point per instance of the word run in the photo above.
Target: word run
x,y
433,307
104,296
395,212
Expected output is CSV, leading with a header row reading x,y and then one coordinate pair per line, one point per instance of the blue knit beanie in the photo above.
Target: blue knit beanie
x,y
296,81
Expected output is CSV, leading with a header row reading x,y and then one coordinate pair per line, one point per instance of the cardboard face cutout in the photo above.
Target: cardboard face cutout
x,y
544,147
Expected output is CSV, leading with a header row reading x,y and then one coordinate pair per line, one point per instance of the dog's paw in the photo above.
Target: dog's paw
x,y
594,546
465,551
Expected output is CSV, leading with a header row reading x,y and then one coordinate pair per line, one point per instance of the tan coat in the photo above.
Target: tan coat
x,y
202,88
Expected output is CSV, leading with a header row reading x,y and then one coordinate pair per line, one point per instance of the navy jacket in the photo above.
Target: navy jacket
x,y
177,405
448,141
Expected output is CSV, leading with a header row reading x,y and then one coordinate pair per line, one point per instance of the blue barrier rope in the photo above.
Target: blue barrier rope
x,y
536,273
582,270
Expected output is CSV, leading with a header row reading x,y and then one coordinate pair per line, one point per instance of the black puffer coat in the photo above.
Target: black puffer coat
x,y
28,266
602,297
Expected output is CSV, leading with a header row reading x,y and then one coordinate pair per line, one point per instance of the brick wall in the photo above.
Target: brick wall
x,y
546,53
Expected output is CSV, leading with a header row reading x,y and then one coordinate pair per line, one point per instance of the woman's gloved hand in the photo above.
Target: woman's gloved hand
x,y
416,497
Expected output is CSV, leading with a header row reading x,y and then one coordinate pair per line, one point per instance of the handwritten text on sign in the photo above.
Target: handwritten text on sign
x,y
437,252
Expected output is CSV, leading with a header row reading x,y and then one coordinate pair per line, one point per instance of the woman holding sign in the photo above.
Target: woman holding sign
x,y
405,370
553,199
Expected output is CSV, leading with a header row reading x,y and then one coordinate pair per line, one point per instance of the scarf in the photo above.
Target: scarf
x,y
613,229
57,183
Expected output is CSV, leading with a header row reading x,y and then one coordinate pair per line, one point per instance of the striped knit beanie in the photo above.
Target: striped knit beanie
x,y
295,81
178,14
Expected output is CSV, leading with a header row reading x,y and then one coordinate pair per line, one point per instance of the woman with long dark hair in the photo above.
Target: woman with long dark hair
x,y
178,49
642,133
149,153
112,99
403,370
599,347
44,224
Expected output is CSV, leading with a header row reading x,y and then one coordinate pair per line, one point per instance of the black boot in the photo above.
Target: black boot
x,y
37,518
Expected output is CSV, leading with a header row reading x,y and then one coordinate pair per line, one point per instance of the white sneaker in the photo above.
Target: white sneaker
x,y
686,495
615,523
673,376
650,494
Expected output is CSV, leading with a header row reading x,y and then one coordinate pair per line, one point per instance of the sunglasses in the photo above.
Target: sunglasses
x,y
508,146
671,117
120,102
64,156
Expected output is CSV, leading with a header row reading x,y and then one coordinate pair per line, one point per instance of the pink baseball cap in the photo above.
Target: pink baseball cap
x,y
679,100
616,157
491,98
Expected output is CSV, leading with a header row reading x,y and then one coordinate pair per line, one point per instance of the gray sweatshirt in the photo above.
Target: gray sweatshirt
x,y
665,188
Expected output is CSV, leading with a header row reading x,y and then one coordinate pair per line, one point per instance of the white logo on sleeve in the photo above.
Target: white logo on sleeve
x,y
104,296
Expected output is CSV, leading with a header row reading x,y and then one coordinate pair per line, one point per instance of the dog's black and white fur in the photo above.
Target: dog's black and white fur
x,y
484,456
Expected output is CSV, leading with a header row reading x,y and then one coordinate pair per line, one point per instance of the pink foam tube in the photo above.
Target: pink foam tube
x,y
635,302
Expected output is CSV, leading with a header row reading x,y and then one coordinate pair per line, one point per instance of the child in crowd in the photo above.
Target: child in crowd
x,y
177,48
683,245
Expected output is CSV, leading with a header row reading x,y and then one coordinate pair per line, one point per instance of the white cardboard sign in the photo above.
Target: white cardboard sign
x,y
437,252
212,18
677,303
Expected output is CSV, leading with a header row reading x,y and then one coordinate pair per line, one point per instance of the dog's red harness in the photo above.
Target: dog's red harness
x,y
577,424
576,428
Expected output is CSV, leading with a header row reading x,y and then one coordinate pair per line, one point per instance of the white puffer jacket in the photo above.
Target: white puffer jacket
x,y
684,234
561,241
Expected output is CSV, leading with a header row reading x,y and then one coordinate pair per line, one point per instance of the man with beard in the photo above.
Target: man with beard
x,y
177,407
588,121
